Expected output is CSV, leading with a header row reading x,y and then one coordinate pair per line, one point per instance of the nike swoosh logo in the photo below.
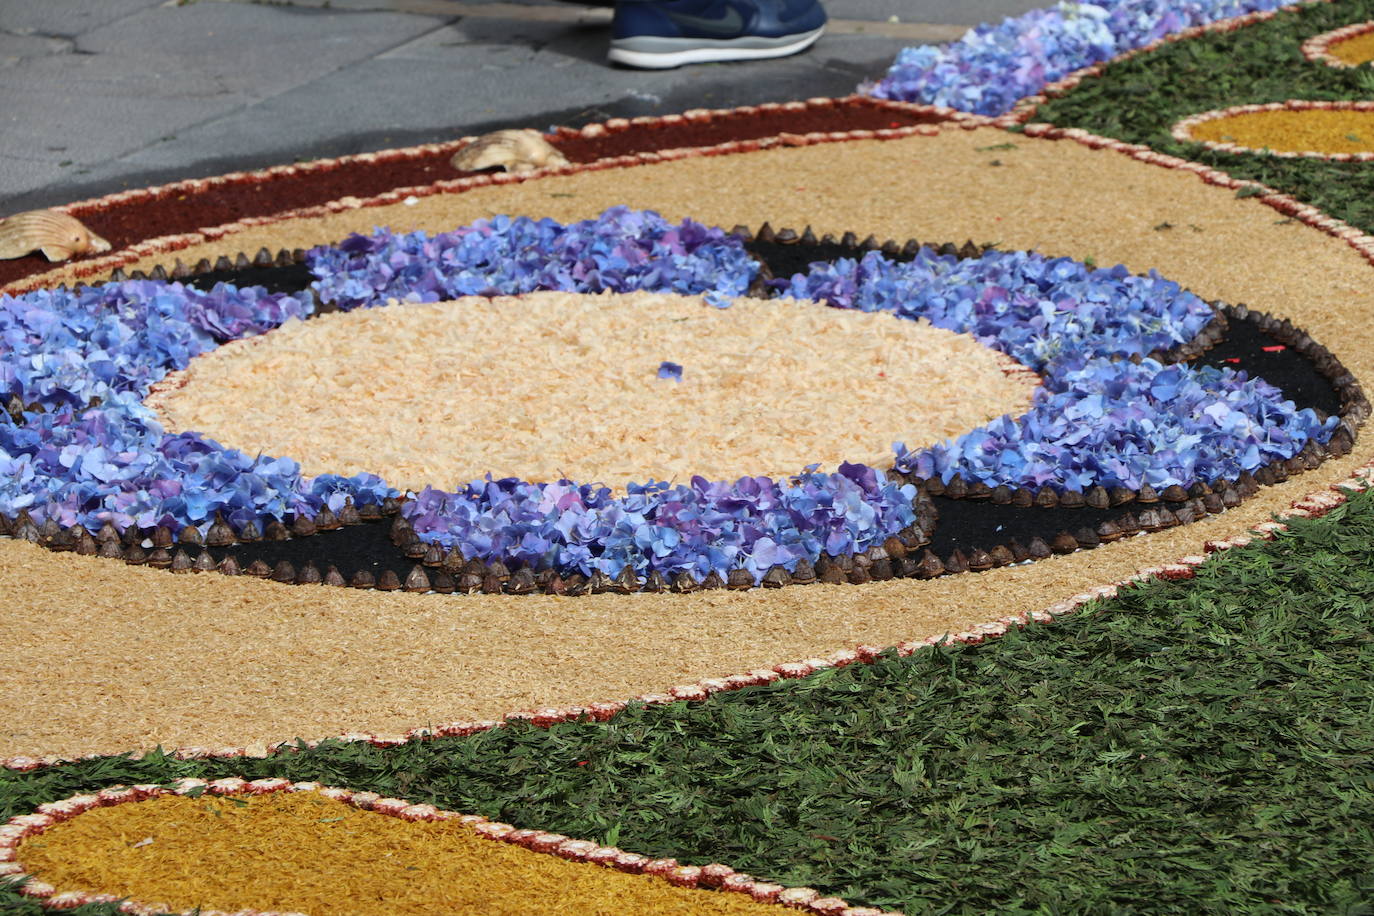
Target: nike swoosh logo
x,y
731,24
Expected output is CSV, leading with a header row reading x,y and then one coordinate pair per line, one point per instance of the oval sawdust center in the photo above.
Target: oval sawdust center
x,y
607,388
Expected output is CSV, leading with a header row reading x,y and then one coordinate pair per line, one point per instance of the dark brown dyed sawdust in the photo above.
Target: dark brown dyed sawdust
x,y
110,658
216,203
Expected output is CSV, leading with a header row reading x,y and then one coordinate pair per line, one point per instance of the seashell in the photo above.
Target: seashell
x,y
625,583
348,515
776,577
219,535
512,150
417,580
1098,498
979,560
52,232
522,582
1063,542
713,580
1002,555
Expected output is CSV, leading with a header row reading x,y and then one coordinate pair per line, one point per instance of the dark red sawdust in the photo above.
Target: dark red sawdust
x,y
185,211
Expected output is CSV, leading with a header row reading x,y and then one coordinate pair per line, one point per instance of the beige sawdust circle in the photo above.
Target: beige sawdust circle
x,y
562,385
209,660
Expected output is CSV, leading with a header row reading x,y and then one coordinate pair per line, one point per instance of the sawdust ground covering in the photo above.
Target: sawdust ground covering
x,y
115,658
1354,51
1314,130
555,385
301,852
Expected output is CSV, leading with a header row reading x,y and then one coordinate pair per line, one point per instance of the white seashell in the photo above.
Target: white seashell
x,y
513,150
54,233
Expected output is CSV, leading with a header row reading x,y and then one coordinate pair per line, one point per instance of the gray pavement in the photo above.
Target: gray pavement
x,y
101,95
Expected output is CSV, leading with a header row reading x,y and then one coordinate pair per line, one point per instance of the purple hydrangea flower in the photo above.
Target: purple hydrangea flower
x,y
1098,419
992,67
619,251
91,452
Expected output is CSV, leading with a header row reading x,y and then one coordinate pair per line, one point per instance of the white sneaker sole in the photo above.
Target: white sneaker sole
x,y
705,53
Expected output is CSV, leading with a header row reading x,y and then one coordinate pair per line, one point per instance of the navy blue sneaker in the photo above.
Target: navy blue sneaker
x,y
658,34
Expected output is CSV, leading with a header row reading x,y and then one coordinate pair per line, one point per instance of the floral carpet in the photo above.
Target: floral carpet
x,y
1107,652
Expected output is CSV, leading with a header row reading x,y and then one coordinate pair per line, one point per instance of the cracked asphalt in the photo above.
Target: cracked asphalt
x,y
101,95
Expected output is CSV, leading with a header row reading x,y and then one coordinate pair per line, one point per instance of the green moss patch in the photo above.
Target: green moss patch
x,y
1183,747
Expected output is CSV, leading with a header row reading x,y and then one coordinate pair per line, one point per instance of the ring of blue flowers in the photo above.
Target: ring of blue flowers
x,y
94,453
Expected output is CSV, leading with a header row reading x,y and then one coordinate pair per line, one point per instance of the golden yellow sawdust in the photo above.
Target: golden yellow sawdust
x,y
302,852
1354,51
554,385
118,658
1314,130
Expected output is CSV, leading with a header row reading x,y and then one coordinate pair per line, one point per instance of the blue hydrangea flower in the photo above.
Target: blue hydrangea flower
x,y
1099,418
619,251
993,67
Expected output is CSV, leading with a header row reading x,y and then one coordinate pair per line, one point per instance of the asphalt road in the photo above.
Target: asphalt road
x,y
101,95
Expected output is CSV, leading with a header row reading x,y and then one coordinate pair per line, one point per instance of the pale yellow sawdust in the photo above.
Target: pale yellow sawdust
x,y
303,852
555,385
116,658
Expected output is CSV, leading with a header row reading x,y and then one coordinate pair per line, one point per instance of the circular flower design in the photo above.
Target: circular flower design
x,y
1107,414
